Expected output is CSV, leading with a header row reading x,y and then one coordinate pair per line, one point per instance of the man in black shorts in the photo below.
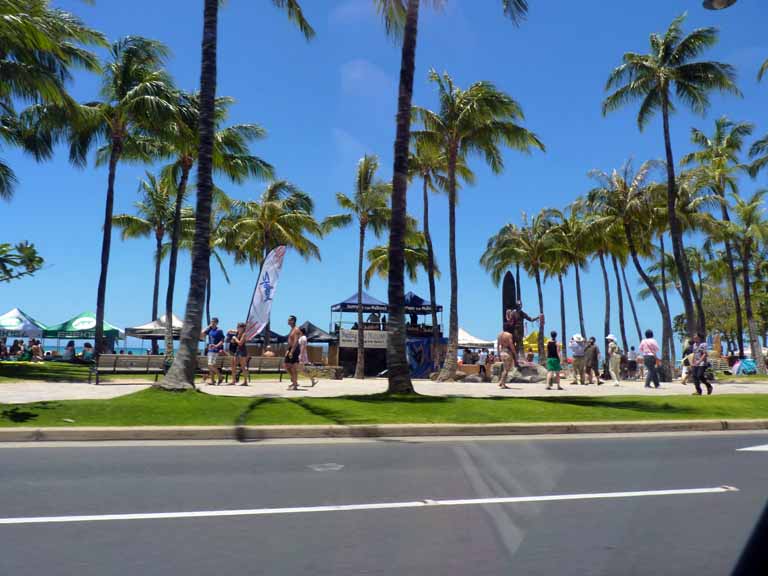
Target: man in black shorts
x,y
292,355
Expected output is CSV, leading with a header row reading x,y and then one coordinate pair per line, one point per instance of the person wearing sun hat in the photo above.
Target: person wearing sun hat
x,y
576,345
614,358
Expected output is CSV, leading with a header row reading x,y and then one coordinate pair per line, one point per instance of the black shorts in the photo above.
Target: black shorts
x,y
292,358
632,365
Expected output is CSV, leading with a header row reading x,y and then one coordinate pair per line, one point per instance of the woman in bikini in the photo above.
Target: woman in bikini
x,y
241,353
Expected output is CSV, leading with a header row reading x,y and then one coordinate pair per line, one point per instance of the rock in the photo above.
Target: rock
x,y
527,373
434,376
475,379
460,376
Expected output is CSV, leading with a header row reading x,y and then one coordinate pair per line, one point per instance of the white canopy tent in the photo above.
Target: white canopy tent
x,y
155,330
466,340
17,324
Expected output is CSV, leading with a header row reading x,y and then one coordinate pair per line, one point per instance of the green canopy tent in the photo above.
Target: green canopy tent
x,y
82,327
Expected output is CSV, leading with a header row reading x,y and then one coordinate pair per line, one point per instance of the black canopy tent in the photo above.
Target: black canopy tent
x,y
316,335
415,304
273,337
369,304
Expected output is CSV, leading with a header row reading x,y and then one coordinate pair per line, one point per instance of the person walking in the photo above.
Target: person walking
x,y
506,346
614,359
700,364
649,348
241,354
592,360
215,336
304,357
576,346
292,354
686,363
632,363
553,361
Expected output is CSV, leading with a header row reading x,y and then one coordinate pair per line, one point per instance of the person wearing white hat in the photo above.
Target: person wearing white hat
x,y
576,346
614,358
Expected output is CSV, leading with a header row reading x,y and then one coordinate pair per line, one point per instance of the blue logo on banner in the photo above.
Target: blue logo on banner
x,y
266,287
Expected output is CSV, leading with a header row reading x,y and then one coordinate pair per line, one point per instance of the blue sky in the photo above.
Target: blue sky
x,y
328,102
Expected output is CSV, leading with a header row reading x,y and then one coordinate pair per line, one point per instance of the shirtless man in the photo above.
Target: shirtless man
x,y
292,355
506,345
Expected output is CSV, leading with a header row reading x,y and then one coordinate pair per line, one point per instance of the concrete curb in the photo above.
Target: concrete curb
x,y
67,434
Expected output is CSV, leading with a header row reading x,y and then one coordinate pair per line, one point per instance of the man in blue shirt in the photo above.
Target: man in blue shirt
x,y
215,345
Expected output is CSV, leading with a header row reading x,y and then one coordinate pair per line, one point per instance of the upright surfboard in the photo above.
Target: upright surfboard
x,y
508,294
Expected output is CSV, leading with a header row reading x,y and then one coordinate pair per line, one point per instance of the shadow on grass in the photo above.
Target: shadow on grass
x,y
242,419
634,405
19,415
44,371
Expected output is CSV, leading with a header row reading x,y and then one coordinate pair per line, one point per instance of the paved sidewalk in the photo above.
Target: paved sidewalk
x,y
23,392
351,386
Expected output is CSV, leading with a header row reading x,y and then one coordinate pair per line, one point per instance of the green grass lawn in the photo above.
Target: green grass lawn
x,y
64,372
156,407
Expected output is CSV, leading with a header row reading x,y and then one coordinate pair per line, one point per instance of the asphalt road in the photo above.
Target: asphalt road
x,y
680,534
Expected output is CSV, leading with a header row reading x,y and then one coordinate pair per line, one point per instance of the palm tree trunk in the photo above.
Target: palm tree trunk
x,y
360,366
450,365
398,371
668,334
622,328
666,360
631,303
518,288
698,296
540,339
182,373
174,258
578,301
208,297
675,230
156,287
562,318
607,289
436,344
754,344
732,277
106,243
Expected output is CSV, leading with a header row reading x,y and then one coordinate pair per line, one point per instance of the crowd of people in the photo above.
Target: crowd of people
x,y
18,350
233,345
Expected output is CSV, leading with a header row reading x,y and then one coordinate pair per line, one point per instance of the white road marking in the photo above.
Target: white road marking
x,y
359,507
327,467
763,448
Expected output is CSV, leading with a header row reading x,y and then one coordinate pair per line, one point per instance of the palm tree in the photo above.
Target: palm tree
x,y
282,216
529,244
556,264
39,48
154,217
231,158
718,160
477,120
415,257
572,231
401,18
748,232
671,65
222,219
137,94
182,373
626,201
369,206
431,165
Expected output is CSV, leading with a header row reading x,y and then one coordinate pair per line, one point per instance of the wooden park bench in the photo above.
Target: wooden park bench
x,y
127,364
